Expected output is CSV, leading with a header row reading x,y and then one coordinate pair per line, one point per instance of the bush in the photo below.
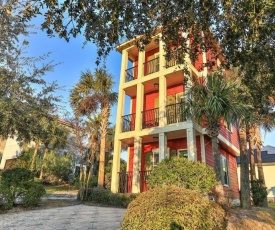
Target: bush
x,y
106,197
171,207
18,183
33,195
258,192
183,173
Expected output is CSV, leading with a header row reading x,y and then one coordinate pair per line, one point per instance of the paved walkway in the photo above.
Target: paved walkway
x,y
73,217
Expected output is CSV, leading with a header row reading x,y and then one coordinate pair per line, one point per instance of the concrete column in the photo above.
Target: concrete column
x,y
191,144
116,166
162,146
136,165
124,65
203,159
204,59
139,106
141,59
162,101
161,54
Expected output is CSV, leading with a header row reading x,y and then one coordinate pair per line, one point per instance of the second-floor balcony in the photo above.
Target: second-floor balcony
x,y
150,118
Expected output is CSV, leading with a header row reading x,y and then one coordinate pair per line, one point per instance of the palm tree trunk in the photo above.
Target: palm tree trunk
x,y
217,162
251,135
245,187
43,163
103,126
34,155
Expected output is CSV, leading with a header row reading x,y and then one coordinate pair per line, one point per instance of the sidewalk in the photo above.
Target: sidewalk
x,y
72,217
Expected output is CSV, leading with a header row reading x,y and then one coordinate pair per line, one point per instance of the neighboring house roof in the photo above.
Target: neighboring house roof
x,y
268,155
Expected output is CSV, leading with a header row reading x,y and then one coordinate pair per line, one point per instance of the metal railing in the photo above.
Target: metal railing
x,y
131,74
175,113
143,180
125,182
151,66
150,118
128,122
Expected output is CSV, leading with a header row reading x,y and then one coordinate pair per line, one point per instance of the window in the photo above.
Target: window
x,y
179,153
228,126
224,170
151,159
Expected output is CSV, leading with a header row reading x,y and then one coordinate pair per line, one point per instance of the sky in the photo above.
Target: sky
x,y
74,57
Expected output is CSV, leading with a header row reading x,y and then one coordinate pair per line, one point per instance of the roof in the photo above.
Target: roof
x,y
268,155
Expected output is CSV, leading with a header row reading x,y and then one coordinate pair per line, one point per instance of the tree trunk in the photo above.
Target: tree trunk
x,y
34,155
217,161
259,160
245,187
103,128
251,135
43,163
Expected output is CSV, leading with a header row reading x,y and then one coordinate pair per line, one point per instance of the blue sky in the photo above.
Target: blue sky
x,y
74,58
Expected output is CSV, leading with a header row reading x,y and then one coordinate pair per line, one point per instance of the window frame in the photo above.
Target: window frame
x,y
225,165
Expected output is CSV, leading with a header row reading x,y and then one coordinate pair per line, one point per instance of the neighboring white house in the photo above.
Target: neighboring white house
x,y
10,149
268,159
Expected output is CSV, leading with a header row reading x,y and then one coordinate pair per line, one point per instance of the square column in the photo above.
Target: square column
x,y
139,106
202,148
141,59
124,65
116,166
162,101
161,54
191,144
136,165
162,146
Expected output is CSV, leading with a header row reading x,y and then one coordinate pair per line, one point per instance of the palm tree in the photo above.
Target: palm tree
x,y
211,100
93,92
55,136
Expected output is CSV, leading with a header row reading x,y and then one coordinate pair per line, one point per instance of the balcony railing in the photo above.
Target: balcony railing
x,y
143,180
150,118
128,122
170,63
151,66
175,113
131,74
125,182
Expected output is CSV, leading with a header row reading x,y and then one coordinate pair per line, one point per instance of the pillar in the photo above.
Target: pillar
x,y
136,165
162,146
162,101
116,166
191,144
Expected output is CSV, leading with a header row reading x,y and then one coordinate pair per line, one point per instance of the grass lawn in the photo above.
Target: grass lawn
x,y
50,189
271,205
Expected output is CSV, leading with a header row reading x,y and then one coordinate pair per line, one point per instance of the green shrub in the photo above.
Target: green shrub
x,y
18,183
106,197
258,192
171,207
183,173
33,196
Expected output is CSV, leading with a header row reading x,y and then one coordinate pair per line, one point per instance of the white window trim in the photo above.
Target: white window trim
x,y
227,166
178,152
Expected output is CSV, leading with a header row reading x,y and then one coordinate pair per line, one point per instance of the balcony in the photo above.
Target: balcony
x,y
131,74
150,118
170,63
126,178
128,122
125,182
151,66
175,113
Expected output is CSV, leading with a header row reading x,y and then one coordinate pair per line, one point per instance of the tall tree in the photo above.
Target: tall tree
x,y
93,93
209,101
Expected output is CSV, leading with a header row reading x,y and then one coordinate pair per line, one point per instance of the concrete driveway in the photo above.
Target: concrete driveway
x,y
72,217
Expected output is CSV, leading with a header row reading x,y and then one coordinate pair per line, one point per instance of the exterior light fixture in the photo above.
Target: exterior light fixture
x,y
156,85
155,139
